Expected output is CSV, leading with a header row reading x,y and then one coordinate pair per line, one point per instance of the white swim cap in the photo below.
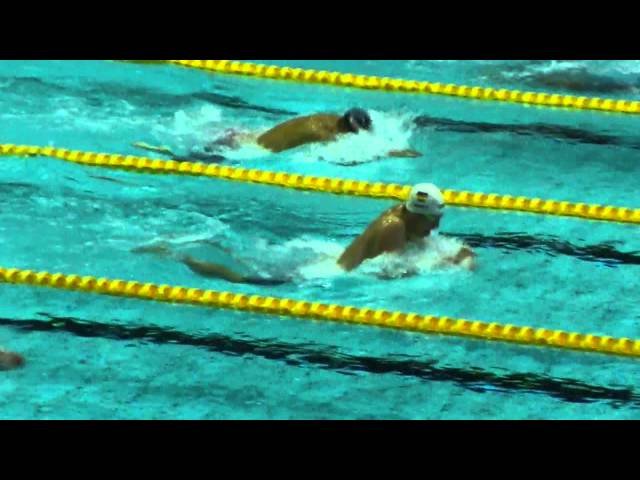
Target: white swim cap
x,y
426,199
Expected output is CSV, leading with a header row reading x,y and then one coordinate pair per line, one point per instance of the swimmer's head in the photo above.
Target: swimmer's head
x,y
427,200
357,119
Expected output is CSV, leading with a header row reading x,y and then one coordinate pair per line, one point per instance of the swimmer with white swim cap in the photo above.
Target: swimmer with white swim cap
x,y
399,226
317,128
395,229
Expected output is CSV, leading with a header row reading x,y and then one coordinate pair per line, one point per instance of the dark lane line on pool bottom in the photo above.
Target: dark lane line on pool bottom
x,y
103,94
305,355
602,253
557,133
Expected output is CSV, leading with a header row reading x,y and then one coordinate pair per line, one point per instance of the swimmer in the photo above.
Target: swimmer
x,y
10,360
318,128
399,227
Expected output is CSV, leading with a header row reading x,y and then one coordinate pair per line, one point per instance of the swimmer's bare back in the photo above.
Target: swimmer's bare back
x,y
301,131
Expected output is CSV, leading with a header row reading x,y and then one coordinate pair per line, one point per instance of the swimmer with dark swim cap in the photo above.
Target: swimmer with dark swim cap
x,y
397,228
357,119
317,128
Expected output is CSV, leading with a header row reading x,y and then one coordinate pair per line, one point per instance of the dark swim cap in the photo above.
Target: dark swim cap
x,y
357,118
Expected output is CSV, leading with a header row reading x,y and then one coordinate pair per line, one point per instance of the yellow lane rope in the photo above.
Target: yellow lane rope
x,y
331,312
328,185
408,86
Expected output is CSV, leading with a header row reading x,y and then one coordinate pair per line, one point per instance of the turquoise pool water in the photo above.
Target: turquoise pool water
x,y
99,357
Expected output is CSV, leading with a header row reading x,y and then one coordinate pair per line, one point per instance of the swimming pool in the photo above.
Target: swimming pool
x,y
99,357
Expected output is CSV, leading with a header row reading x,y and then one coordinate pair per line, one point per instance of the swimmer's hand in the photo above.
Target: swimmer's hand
x,y
465,258
404,153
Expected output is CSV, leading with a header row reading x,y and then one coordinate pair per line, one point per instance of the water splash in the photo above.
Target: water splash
x,y
313,259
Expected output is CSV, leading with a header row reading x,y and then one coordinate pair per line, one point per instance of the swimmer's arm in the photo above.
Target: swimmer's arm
x,y
389,238
404,153
212,270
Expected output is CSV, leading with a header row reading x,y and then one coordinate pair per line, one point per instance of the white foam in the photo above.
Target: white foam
x,y
192,228
302,258
200,120
314,259
73,114
416,260
626,67
190,128
596,67
322,258
248,151
557,66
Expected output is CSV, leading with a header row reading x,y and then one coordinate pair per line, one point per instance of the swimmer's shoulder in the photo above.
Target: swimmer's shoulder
x,y
391,216
385,218
389,224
